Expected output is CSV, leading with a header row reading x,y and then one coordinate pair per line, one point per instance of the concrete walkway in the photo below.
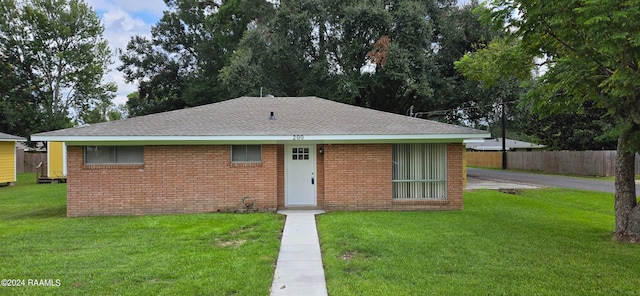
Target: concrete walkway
x,y
299,270
474,183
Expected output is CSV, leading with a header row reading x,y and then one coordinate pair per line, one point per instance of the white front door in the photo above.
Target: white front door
x,y
300,175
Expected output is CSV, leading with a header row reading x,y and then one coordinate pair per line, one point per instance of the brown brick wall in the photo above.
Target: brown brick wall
x,y
320,176
358,177
455,176
194,179
173,179
280,170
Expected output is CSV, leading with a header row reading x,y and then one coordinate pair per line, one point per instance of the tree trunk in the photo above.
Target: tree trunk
x,y
626,208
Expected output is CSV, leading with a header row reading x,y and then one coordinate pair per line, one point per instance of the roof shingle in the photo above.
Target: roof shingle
x,y
249,116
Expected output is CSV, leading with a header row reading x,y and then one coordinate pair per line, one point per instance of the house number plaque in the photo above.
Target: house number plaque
x,y
298,137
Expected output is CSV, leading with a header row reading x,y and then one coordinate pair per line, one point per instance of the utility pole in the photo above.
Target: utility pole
x,y
504,135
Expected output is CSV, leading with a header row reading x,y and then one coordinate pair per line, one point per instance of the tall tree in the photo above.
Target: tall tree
x,y
584,128
102,112
288,55
466,101
193,41
386,55
54,57
592,51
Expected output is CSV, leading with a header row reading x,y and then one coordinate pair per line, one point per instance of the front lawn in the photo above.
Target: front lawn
x,y
195,254
541,242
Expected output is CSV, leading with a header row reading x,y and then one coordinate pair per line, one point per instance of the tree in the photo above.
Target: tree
x,y
54,57
584,128
178,67
160,81
103,112
290,54
387,55
19,112
467,101
580,128
592,51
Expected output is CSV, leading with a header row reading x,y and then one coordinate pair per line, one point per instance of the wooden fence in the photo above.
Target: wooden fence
x,y
587,163
27,161
485,159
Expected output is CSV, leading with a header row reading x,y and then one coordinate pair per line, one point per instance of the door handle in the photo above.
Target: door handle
x,y
312,181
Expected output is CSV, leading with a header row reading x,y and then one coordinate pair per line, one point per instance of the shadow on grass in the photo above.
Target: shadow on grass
x,y
52,212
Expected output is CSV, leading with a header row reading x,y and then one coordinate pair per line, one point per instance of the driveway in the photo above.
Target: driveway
x,y
543,180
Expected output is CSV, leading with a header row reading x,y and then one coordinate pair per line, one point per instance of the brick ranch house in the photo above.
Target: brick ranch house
x,y
263,154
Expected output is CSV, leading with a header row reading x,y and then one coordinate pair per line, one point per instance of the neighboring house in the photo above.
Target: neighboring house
x,y
52,166
496,145
8,158
29,158
263,154
56,168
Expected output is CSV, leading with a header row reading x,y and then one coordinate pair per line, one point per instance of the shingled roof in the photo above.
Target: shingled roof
x,y
8,137
249,118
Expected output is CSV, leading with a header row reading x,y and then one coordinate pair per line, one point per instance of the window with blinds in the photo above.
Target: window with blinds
x,y
113,154
246,153
420,171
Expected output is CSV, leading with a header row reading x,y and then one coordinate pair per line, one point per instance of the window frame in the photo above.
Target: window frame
x,y
246,160
428,182
115,156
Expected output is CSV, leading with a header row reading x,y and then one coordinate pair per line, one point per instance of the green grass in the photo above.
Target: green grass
x,y
541,242
191,254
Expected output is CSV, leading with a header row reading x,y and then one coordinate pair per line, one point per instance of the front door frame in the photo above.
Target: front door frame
x,y
287,172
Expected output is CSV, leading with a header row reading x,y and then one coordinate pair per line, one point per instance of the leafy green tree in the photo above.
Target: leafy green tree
x,y
585,128
54,57
160,82
179,65
287,55
592,53
464,100
102,112
19,112
387,55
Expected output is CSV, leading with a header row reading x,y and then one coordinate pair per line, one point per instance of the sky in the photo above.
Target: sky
x,y
123,19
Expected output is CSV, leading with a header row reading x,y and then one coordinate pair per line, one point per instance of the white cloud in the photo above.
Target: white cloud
x,y
123,19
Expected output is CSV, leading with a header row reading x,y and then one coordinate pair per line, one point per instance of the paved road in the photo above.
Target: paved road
x,y
545,180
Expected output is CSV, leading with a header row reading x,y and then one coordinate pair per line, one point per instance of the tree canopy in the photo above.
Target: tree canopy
x,y
53,58
591,51
387,55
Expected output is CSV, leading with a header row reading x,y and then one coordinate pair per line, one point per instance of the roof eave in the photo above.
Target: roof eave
x,y
194,140
13,140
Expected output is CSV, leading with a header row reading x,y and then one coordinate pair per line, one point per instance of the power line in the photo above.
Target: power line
x,y
412,113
